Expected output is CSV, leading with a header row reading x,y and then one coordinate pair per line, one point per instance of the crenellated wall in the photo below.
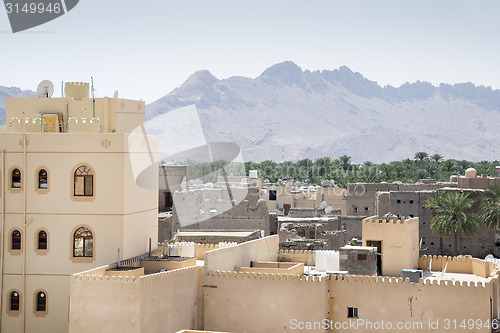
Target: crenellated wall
x,y
162,302
250,302
399,242
200,249
306,257
459,265
226,259
256,302
394,301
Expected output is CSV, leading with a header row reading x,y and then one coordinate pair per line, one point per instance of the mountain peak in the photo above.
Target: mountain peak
x,y
201,77
305,114
287,72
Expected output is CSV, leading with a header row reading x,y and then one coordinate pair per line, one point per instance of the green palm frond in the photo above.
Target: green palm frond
x,y
490,208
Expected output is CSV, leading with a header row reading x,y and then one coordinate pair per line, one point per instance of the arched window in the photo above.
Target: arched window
x,y
14,301
42,240
16,178
42,179
15,240
83,243
84,182
41,302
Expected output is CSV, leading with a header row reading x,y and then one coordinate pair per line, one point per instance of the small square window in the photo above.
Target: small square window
x,y
352,312
398,201
411,202
355,209
361,256
366,209
412,216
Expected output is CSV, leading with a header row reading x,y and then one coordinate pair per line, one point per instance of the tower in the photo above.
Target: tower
x,y
69,199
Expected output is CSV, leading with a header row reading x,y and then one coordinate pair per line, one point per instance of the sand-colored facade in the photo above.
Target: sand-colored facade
x,y
162,302
59,136
238,296
398,242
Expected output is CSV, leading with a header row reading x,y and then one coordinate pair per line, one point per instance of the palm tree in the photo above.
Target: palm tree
x,y
344,162
386,171
437,158
451,215
421,155
323,166
490,208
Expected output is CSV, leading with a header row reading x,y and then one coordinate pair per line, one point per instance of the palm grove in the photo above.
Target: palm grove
x,y
342,170
452,213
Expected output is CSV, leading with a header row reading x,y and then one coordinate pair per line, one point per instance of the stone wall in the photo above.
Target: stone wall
x,y
170,178
165,227
361,199
412,204
213,237
358,260
213,210
318,233
310,236
306,212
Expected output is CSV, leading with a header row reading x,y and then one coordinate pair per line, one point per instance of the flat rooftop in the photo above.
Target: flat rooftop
x,y
221,233
306,219
440,276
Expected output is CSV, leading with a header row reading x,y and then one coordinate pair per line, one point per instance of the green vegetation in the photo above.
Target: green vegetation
x,y
343,171
490,208
452,216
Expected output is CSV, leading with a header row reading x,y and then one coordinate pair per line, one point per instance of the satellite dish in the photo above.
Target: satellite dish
x,y
323,204
328,210
45,89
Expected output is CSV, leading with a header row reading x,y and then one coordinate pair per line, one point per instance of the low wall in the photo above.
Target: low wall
x,y
102,304
249,302
273,268
327,261
304,256
226,259
200,249
162,302
155,266
171,301
393,300
458,265
130,273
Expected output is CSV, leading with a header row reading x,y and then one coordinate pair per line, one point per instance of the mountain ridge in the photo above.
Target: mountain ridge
x,y
336,112
11,92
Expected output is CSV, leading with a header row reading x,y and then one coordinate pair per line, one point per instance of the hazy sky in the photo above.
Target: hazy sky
x,y
145,48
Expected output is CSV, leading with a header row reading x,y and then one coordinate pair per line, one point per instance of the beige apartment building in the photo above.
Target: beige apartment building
x,y
69,199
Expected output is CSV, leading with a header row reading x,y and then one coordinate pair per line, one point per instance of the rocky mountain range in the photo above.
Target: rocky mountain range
x,y
11,92
289,112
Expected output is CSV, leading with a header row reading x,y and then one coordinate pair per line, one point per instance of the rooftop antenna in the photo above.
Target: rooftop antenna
x,y
93,97
45,89
62,88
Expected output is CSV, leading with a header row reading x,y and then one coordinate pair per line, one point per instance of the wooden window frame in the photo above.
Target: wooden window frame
x,y
84,179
